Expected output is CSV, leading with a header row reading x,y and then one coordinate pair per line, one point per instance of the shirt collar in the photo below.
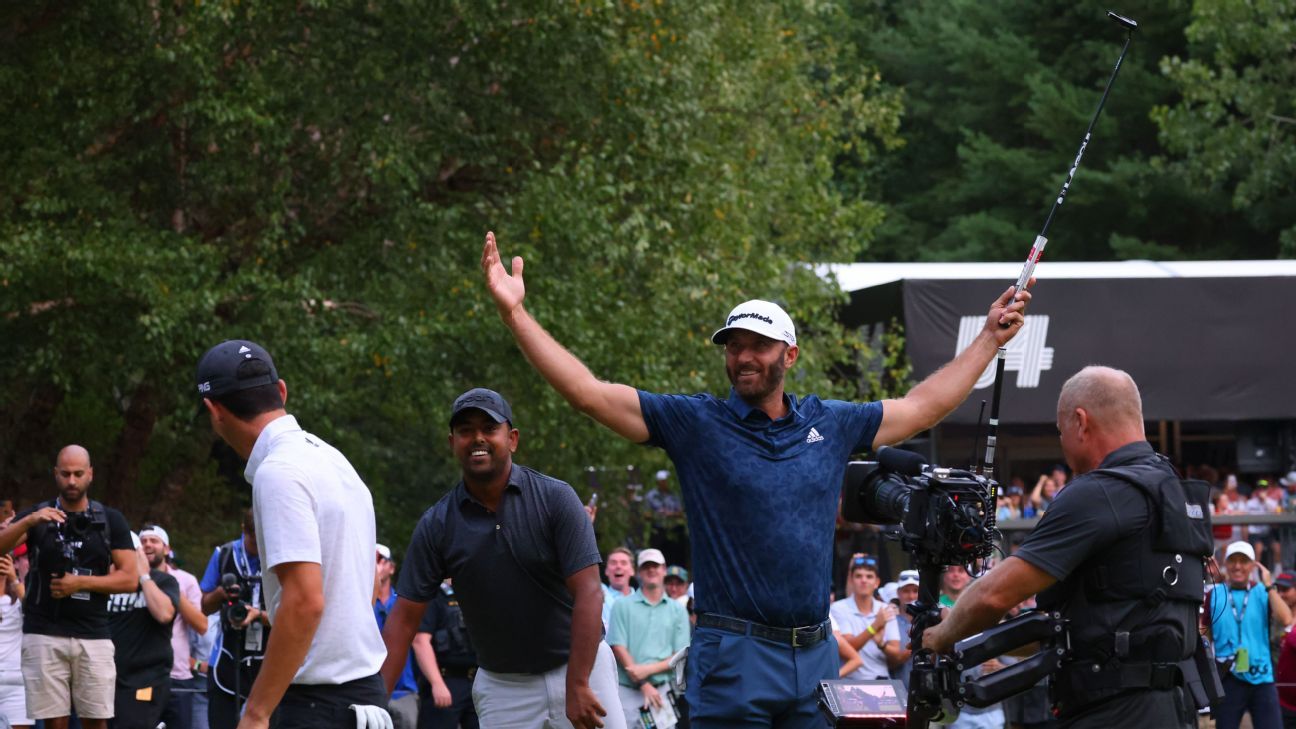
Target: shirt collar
x,y
1129,453
265,441
745,411
515,483
638,595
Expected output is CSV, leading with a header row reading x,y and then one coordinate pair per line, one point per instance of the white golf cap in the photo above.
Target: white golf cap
x,y
158,532
651,555
1289,479
763,317
887,592
135,540
1240,548
663,475
384,551
907,577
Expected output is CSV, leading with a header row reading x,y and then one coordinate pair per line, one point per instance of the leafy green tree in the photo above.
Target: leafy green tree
x,y
318,176
997,96
1235,127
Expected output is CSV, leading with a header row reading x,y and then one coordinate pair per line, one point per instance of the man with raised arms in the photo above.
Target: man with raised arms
x,y
761,472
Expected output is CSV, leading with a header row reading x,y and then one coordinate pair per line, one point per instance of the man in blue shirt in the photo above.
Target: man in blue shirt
x,y
760,472
403,706
233,646
1241,613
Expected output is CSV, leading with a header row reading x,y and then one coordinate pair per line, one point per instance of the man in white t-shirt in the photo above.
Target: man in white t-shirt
x,y
316,538
868,624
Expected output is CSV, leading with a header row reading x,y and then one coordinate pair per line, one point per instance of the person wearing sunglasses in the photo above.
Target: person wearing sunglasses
x,y
867,623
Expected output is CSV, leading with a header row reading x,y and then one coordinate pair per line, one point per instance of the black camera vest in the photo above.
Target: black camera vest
x,y
1133,609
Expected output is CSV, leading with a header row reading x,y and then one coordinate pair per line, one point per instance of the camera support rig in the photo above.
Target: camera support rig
x,y
937,692
947,517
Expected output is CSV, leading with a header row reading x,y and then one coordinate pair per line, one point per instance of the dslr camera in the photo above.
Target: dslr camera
x,y
237,592
69,536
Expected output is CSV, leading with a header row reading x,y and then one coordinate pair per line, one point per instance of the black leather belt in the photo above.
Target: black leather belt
x,y
802,637
450,672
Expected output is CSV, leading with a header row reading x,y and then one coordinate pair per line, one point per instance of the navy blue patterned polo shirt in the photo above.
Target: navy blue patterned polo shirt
x,y
761,497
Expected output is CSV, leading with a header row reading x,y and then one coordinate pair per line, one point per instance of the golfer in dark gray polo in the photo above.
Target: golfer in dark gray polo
x,y
525,564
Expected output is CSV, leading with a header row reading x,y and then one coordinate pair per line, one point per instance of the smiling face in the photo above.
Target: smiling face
x,y
619,569
955,579
675,587
154,550
483,447
756,364
907,594
1238,567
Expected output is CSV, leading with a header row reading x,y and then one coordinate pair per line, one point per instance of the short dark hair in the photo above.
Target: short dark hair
x,y
249,521
864,563
249,403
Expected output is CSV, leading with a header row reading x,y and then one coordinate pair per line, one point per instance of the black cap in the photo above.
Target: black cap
x,y
487,401
218,368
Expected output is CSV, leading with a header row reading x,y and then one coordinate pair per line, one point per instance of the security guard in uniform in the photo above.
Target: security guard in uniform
x,y
447,663
1120,554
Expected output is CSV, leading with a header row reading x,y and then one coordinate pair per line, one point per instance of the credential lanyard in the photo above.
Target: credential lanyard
x,y
1239,616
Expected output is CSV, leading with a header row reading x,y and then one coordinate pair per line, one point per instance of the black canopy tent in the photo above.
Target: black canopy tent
x,y
1207,341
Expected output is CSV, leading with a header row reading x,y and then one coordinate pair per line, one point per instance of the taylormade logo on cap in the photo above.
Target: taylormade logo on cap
x,y
763,317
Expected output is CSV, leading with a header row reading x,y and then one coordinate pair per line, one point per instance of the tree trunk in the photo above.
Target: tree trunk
x,y
132,444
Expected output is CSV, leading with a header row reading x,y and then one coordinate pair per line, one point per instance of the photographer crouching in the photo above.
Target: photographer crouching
x,y
1120,555
67,652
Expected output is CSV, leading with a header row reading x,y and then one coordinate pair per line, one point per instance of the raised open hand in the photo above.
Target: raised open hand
x,y
507,290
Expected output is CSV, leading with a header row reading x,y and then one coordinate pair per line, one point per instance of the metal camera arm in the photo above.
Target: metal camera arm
x,y
936,690
1047,629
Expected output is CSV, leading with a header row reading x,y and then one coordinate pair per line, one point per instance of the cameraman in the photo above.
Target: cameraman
x,y
1100,557
236,645
67,652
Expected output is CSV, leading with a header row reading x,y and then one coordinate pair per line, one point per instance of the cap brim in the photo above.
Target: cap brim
x,y
494,415
722,334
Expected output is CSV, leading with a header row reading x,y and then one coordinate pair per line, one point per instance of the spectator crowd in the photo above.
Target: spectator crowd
x,y
119,635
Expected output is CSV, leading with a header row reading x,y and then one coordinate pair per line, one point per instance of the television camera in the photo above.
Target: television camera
x,y
946,516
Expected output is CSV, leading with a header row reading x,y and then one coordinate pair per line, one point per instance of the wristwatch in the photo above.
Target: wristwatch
x,y
145,578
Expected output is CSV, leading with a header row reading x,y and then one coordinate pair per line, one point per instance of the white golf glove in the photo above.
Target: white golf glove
x,y
371,717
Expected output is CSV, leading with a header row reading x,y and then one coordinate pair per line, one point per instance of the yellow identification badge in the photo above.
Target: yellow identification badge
x,y
144,694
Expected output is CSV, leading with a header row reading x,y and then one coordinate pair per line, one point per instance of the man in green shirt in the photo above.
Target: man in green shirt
x,y
953,583
646,629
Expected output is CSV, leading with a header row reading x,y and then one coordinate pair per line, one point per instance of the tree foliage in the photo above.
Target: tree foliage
x,y
1234,130
318,177
997,96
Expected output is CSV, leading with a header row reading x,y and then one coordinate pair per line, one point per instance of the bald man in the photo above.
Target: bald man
x,y
1119,554
67,643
